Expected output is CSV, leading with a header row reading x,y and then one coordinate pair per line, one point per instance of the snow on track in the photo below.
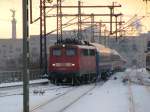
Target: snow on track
x,y
66,100
111,97
141,98
115,95
19,90
15,102
13,84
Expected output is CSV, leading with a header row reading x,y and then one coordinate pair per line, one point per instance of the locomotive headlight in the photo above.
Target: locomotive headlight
x,y
53,64
63,45
73,64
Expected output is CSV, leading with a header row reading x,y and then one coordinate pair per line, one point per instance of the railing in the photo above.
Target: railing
x,y
15,76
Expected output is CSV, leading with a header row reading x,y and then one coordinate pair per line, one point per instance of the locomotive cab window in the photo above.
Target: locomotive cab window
x,y
70,52
56,52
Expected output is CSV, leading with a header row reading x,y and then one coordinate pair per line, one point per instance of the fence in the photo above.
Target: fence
x,y
15,76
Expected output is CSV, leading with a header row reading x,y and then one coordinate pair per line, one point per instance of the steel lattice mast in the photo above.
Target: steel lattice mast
x,y
79,21
59,15
43,48
59,21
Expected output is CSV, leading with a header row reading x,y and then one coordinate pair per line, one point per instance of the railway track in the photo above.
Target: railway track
x,y
130,93
131,99
19,91
63,109
138,79
10,92
49,101
65,100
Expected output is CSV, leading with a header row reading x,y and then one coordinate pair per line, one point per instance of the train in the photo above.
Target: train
x,y
148,61
148,56
82,62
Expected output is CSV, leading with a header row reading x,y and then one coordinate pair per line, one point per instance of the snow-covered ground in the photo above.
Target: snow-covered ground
x,y
115,95
14,102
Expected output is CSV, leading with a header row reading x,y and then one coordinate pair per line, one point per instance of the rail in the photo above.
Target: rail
x,y
130,93
70,97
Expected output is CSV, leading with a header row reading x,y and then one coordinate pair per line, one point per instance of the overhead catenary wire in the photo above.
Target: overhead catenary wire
x,y
134,22
67,24
133,19
135,16
124,27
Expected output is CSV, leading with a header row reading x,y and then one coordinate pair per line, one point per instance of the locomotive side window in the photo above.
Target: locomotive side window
x,y
84,52
70,52
92,52
56,52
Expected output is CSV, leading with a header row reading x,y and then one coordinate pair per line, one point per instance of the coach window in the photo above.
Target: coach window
x,y
56,52
70,51
115,57
105,58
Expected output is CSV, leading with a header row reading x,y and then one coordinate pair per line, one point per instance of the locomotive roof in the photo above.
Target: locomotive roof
x,y
79,46
86,46
99,47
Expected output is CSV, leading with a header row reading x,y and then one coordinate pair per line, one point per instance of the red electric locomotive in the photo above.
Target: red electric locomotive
x,y
69,62
78,63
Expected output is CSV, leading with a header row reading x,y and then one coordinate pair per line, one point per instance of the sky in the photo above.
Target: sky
x,y
129,9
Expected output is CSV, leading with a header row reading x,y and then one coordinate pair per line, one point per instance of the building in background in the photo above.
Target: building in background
x,y
132,48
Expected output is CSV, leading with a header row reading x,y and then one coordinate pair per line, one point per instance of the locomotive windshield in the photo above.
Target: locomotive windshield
x,y
70,52
56,52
